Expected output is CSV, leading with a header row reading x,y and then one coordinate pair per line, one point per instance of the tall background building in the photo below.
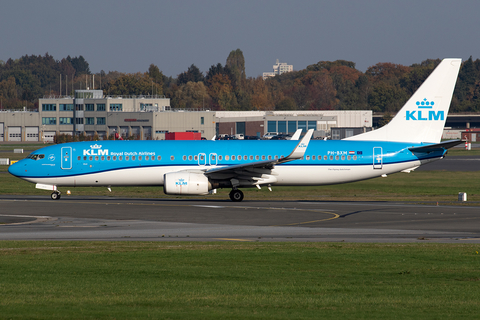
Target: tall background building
x,y
278,69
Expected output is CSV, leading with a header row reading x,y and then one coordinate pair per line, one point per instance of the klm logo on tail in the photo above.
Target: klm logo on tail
x,y
422,114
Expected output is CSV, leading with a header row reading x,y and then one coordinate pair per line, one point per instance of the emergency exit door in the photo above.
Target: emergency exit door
x,y
377,158
66,158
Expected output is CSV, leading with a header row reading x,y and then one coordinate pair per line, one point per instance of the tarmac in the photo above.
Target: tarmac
x,y
117,219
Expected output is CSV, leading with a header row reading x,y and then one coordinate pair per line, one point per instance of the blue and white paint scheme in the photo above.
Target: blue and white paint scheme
x,y
411,139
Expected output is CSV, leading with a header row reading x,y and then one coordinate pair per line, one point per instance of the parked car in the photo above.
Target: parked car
x,y
282,136
252,138
269,135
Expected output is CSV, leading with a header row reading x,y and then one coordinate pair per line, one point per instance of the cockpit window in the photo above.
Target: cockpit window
x,y
35,156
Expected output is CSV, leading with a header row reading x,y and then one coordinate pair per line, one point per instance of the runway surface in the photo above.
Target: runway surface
x,y
107,218
457,163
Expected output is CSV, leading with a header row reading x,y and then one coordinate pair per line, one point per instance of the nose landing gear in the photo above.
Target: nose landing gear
x,y
55,195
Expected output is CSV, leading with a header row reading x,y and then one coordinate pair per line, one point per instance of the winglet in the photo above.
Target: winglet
x,y
301,147
296,135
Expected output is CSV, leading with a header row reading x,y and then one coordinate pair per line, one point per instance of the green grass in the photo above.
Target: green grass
x,y
132,280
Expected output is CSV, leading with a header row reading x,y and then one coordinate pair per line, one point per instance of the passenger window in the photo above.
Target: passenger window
x,y
190,157
233,157
120,158
337,157
343,157
139,158
325,158
331,157
349,158
308,157
108,158
78,158
147,157
133,157
96,158
201,157
172,158
184,158
269,157
227,158
90,158
114,158
240,157
159,158
195,158
84,157
257,157
276,157
103,158
251,157
263,157
354,157
313,157
126,158
219,157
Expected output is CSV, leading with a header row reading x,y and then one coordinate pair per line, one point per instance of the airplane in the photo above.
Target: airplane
x,y
410,139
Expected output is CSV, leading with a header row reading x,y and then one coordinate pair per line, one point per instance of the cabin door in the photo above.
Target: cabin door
x,y
202,159
212,159
66,158
377,158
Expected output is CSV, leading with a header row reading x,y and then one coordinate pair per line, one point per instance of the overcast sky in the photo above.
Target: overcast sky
x,y
127,36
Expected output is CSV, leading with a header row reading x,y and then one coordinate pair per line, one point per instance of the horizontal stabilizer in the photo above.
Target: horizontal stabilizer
x,y
436,147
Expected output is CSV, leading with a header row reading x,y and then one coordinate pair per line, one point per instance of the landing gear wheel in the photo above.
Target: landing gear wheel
x,y
55,195
236,195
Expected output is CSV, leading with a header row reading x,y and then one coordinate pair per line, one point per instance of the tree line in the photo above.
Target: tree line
x,y
326,85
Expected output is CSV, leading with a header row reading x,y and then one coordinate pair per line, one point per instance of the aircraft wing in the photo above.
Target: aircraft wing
x,y
259,172
436,147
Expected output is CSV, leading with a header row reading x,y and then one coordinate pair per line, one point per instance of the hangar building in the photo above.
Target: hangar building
x,y
92,113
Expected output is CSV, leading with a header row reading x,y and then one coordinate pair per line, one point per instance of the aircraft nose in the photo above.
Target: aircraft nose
x,y
17,169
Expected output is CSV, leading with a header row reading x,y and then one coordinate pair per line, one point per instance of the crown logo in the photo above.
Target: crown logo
x,y
96,146
181,180
425,104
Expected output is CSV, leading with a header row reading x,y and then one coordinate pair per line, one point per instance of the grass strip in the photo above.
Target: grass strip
x,y
131,280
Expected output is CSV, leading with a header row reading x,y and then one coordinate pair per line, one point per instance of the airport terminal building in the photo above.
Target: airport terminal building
x,y
92,113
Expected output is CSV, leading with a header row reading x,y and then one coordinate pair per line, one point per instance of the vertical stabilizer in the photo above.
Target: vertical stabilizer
x,y
423,117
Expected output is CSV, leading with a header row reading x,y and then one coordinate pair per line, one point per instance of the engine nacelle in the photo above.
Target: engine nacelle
x,y
185,183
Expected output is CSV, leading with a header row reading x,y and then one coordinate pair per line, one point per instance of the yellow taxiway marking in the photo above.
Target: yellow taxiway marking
x,y
335,216
230,239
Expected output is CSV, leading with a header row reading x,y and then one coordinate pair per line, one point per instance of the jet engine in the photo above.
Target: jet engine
x,y
186,183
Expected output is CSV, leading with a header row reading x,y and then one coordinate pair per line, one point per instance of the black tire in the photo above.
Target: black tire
x,y
55,195
236,195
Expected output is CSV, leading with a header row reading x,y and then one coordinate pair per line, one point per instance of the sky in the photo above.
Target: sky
x,y
127,36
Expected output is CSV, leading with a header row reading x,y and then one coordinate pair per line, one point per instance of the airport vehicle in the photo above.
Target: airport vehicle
x,y
282,136
269,135
411,139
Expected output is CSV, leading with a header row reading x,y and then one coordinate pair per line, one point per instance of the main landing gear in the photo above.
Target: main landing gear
x,y
55,195
236,195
